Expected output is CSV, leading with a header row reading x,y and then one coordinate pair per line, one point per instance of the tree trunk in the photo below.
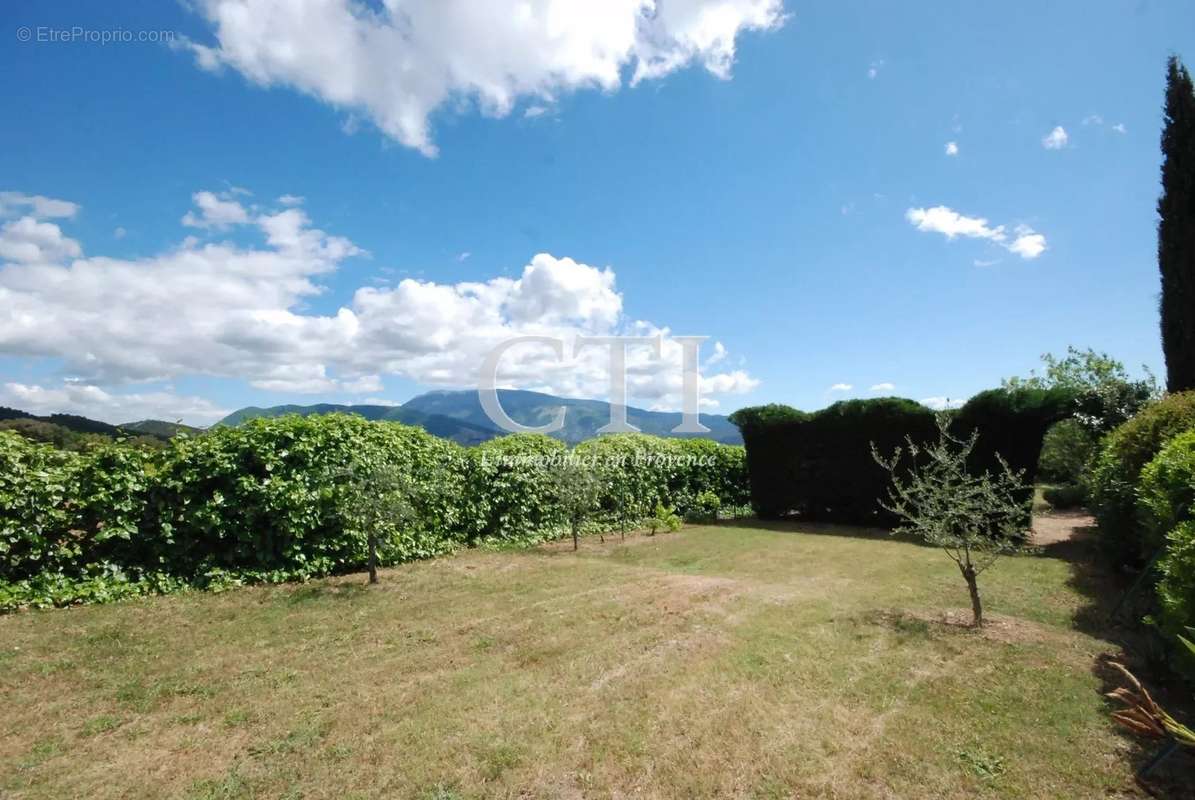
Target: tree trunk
x,y
373,559
973,588
576,543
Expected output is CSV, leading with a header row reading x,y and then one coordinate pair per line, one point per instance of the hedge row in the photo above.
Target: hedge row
x,y
266,501
819,465
1117,472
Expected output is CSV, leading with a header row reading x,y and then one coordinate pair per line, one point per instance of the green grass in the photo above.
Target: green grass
x,y
716,662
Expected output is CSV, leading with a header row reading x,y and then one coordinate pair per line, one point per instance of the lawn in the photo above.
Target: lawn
x,y
748,661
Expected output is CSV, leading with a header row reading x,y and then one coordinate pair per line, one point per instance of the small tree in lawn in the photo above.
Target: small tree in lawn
x,y
974,518
380,500
578,490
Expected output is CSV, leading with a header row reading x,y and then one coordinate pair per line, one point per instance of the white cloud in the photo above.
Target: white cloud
x,y
28,241
119,233
224,310
396,63
13,203
941,403
950,223
215,211
873,70
291,200
72,397
535,111
1055,139
1093,119
841,387
463,256
952,148
1119,127
1028,244
883,387
986,262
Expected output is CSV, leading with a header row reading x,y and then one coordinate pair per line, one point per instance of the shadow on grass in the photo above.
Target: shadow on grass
x,y
1137,645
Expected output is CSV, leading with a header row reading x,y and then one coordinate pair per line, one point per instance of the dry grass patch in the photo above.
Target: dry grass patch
x,y
717,662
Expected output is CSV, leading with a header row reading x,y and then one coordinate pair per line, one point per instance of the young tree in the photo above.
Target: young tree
x,y
577,490
974,518
379,501
1176,229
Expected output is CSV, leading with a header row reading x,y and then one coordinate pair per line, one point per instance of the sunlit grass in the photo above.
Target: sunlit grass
x,y
719,661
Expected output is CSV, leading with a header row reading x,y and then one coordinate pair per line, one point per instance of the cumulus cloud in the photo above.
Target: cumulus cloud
x,y
241,312
1119,127
1055,139
216,211
72,397
941,403
13,203
883,387
950,223
841,387
1027,243
952,148
30,241
395,63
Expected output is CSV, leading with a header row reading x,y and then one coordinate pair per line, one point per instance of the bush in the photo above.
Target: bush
x,y
1176,588
1065,496
1012,422
1067,452
511,497
1114,479
284,498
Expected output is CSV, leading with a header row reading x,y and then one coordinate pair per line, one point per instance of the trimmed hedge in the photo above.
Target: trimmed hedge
x,y
820,465
1124,454
270,501
1166,512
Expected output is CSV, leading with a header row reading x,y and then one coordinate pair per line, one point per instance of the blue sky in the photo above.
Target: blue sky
x,y
774,207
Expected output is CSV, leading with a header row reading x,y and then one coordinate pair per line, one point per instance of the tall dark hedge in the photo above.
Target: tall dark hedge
x,y
820,465
1176,229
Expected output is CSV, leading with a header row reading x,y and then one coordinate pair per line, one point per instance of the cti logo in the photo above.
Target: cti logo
x,y
487,386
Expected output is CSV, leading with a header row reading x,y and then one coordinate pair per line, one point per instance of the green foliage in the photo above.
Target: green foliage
x,y
706,507
295,497
35,520
1067,451
973,516
577,489
1066,496
664,518
1176,586
510,489
1176,229
1117,470
1104,395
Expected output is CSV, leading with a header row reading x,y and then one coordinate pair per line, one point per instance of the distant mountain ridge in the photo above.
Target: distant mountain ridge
x,y
458,415
156,428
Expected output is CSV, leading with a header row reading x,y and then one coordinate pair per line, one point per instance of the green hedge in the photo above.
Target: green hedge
x,y
820,465
1124,454
1166,514
268,501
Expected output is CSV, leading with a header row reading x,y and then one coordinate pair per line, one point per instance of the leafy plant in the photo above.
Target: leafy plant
x,y
577,490
974,518
665,517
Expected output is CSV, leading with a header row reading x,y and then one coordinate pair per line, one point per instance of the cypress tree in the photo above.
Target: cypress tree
x,y
1176,229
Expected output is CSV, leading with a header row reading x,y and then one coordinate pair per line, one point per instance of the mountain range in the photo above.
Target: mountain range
x,y
458,415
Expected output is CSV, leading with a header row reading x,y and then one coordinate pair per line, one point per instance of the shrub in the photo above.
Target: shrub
x,y
1117,470
1066,452
510,493
1166,490
35,492
665,518
1065,496
769,433
1176,587
1012,423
